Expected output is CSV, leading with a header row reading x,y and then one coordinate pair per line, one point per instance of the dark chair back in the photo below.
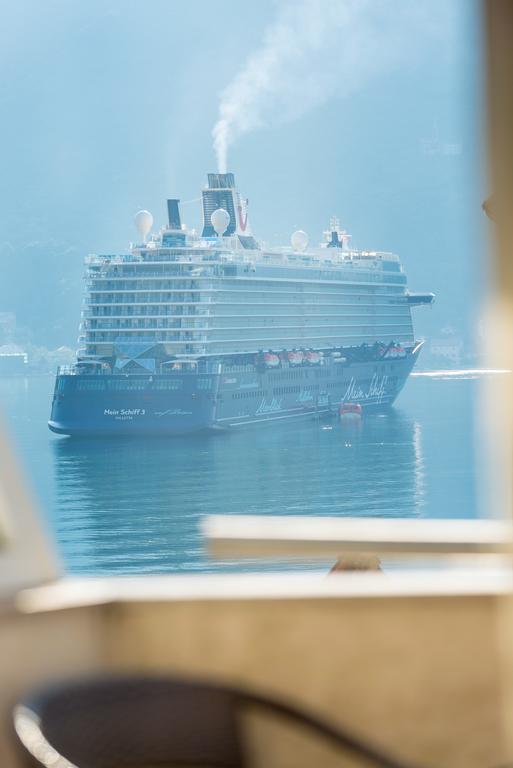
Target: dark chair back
x,y
144,722
137,722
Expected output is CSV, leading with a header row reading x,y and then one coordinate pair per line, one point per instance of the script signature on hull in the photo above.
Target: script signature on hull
x,y
377,390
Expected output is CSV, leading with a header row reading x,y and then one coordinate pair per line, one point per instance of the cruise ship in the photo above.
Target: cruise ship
x,y
195,331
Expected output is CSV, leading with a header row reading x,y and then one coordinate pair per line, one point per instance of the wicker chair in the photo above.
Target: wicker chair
x,y
143,722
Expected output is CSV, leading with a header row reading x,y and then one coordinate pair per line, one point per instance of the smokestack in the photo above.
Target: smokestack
x,y
221,181
221,193
173,214
335,241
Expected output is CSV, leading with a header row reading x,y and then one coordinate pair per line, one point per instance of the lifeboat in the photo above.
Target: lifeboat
x,y
313,358
295,357
271,360
350,410
395,350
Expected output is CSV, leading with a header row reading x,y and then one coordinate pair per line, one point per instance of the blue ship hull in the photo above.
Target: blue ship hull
x,y
179,403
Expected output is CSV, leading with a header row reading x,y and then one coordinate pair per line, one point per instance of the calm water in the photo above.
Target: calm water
x,y
123,505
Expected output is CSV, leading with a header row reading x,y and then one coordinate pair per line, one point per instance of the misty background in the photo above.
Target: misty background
x,y
108,106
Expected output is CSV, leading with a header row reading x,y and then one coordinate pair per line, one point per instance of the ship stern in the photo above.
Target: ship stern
x,y
132,405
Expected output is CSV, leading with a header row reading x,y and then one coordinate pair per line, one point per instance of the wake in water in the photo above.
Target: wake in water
x,y
466,373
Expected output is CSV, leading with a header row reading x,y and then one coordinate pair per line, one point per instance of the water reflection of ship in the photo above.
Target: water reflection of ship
x,y
130,505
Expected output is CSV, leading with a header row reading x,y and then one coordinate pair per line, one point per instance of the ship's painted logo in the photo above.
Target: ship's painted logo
x,y
305,396
377,390
243,217
124,414
270,406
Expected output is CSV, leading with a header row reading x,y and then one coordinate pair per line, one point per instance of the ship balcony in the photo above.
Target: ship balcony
x,y
66,370
132,312
101,260
138,324
419,299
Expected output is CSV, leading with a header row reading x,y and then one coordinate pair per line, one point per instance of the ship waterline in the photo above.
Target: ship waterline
x,y
192,332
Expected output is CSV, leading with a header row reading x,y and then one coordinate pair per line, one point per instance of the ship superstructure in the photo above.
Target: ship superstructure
x,y
205,330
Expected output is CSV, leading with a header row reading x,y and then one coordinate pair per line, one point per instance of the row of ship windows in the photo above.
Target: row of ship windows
x,y
108,301
158,310
146,303
173,253
304,373
319,309
154,264
238,368
134,319
295,390
126,384
262,392
278,340
219,272
275,334
246,395
291,390
103,294
198,324
127,270
292,374
234,346
267,282
133,384
98,307
179,286
271,331
138,323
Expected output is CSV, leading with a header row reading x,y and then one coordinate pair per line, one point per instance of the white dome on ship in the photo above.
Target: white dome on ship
x,y
144,222
220,220
299,240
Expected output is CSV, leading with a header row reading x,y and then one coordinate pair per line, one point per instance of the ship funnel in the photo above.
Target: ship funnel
x,y
220,194
335,242
173,214
221,181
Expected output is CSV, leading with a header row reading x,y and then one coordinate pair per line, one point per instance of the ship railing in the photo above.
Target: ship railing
x,y
171,366
79,368
96,259
285,256
193,313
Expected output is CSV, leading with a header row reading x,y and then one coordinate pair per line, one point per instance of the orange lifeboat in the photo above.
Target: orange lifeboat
x,y
271,360
351,410
313,358
295,357
394,350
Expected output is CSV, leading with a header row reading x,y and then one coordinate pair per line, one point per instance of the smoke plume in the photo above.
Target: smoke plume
x,y
314,50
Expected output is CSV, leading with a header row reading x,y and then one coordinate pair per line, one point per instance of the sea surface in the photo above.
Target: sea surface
x,y
122,505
